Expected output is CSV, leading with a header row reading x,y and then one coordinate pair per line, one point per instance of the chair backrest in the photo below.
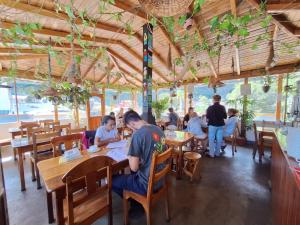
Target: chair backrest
x,y
77,130
159,175
255,132
42,122
62,128
68,141
51,124
27,127
85,177
41,141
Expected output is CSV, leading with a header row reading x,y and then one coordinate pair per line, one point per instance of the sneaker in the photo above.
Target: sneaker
x,y
223,147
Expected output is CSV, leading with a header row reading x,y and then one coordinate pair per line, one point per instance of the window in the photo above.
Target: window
x,y
8,110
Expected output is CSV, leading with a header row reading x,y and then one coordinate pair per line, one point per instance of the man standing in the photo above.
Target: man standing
x,y
146,139
215,115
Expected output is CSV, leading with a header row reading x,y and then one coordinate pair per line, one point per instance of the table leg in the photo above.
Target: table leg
x,y
50,207
21,169
14,150
179,166
59,197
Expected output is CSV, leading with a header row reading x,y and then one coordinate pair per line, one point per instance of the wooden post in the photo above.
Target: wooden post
x,y
134,100
185,99
243,125
55,113
103,102
16,98
147,73
279,97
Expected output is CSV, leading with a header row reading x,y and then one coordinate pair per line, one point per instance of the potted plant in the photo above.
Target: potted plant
x,y
267,83
159,106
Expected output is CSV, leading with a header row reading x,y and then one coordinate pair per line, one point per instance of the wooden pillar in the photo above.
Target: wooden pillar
x,y
16,98
243,125
103,102
279,97
185,99
55,112
147,73
134,100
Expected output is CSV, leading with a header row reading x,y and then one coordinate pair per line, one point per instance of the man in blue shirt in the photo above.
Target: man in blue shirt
x,y
146,139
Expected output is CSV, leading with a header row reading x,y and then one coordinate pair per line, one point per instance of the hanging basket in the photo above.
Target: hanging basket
x,y
162,8
266,88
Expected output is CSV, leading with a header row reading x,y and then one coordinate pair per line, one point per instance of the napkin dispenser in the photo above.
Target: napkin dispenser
x,y
72,154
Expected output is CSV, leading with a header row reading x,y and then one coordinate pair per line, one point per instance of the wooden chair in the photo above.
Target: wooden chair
x,y
41,151
65,143
86,201
42,122
27,127
260,143
76,130
147,200
191,165
63,129
200,144
51,124
232,139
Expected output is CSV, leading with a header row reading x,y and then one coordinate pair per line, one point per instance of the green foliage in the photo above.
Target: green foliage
x,y
160,106
197,6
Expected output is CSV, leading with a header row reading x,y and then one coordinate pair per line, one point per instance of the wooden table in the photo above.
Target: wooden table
x,y
264,132
178,139
15,132
52,171
22,145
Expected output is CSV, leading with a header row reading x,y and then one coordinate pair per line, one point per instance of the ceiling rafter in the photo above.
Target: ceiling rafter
x,y
280,69
62,16
282,7
233,6
277,19
142,15
26,74
22,57
95,60
110,67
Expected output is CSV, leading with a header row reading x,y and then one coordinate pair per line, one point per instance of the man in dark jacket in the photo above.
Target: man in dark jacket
x,y
215,115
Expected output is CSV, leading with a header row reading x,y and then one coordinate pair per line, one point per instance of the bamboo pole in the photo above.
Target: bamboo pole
x,y
16,98
55,113
279,97
185,99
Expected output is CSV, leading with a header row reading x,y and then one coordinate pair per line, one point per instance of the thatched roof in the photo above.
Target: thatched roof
x,y
125,51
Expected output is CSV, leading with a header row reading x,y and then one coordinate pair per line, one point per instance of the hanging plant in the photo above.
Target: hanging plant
x,y
267,83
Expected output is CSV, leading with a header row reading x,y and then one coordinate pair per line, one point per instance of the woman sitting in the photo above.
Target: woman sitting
x,y
194,126
107,132
230,124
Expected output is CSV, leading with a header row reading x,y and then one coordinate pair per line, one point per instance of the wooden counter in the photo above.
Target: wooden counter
x,y
285,188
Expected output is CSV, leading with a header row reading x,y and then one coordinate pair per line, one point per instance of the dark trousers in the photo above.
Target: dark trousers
x,y
127,182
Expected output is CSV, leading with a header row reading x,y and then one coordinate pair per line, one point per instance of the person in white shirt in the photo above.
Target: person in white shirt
x,y
194,127
107,132
230,124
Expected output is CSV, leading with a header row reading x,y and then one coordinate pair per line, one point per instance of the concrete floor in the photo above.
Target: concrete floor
x,y
233,191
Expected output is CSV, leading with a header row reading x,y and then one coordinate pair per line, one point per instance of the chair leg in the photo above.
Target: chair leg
x,y
148,215
38,179
15,154
167,207
110,218
125,205
33,178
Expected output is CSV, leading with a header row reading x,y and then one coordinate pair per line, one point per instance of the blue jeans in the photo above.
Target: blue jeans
x,y
215,134
127,182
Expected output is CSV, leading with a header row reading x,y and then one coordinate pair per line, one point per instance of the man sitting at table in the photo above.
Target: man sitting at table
x,y
173,120
146,139
215,115
107,132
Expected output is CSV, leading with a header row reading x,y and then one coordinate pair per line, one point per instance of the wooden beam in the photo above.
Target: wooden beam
x,y
279,97
39,10
25,74
271,58
21,57
237,54
122,72
280,69
92,64
201,37
23,50
277,19
283,7
127,72
111,66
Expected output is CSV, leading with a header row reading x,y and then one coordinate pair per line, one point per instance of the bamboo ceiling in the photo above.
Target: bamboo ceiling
x,y
126,51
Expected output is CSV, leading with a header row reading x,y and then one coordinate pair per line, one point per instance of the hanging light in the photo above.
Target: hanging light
x,y
162,8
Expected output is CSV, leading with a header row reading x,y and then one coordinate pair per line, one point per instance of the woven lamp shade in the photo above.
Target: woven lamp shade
x,y
162,8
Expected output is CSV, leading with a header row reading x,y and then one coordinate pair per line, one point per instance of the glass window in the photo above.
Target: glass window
x,y
8,110
95,106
